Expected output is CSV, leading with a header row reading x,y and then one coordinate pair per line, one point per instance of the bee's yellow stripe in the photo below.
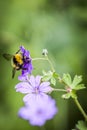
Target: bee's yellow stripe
x,y
18,58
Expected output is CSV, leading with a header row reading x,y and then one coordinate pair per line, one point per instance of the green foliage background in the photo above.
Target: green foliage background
x,y
61,27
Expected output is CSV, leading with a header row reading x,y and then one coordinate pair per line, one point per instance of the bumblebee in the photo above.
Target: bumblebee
x,y
17,61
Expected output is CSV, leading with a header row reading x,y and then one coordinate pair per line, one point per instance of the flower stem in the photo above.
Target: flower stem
x,y
46,59
81,109
51,65
38,59
61,90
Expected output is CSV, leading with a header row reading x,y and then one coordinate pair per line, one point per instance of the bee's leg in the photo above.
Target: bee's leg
x,y
13,72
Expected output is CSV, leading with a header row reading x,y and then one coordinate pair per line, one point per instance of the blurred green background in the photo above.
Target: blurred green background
x,y
61,27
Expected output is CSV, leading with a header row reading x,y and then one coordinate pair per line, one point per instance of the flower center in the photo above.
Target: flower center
x,y
36,90
39,112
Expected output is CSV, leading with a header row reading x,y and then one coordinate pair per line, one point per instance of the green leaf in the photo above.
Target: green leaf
x,y
55,75
53,81
82,125
46,75
46,78
76,81
67,79
70,94
49,76
66,96
49,73
80,86
73,94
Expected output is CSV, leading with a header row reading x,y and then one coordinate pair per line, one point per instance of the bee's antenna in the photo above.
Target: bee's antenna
x,y
18,51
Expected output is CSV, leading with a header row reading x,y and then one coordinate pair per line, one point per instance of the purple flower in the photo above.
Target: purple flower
x,y
33,88
27,64
39,111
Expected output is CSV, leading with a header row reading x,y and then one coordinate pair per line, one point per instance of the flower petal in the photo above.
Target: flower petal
x,y
31,98
23,113
45,84
27,64
23,77
37,80
28,98
24,51
37,122
30,67
23,87
37,112
32,81
45,88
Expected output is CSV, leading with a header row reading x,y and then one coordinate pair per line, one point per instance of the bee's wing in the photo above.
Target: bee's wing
x,y
13,72
7,56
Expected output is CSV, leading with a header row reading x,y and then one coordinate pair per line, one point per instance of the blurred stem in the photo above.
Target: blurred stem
x,y
46,59
81,109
